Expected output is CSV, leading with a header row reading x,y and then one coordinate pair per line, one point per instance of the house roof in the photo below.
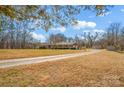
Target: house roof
x,y
60,43
65,43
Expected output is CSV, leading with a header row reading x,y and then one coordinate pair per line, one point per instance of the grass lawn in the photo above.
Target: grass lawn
x,y
22,53
102,69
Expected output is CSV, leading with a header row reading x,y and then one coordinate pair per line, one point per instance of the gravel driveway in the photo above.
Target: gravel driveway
x,y
23,61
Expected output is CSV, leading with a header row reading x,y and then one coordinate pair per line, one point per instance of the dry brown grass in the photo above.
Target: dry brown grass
x,y
22,53
102,69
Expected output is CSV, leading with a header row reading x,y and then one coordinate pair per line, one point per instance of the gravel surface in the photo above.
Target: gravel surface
x,y
23,61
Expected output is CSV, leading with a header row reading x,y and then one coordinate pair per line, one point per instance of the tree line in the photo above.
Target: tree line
x,y
111,39
18,36
15,34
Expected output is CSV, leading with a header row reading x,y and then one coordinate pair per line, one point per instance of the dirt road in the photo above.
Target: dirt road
x,y
23,61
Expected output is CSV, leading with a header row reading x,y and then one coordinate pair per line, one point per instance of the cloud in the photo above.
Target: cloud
x,y
122,10
105,14
84,24
62,29
94,31
40,37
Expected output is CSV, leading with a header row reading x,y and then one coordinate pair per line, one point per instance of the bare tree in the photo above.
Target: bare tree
x,y
53,39
113,38
113,34
15,35
89,38
121,39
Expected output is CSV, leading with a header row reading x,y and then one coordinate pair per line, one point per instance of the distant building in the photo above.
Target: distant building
x,y
61,45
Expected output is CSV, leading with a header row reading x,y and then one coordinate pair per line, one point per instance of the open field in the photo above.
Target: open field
x,y
102,69
24,53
